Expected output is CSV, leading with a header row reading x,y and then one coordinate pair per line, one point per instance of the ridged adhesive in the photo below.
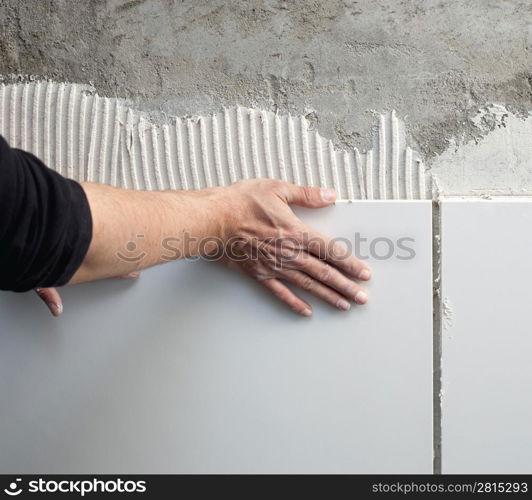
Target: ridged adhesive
x,y
91,138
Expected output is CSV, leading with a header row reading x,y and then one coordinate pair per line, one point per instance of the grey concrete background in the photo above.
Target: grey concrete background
x,y
338,62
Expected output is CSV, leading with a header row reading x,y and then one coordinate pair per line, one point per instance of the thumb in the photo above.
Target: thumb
x,y
311,197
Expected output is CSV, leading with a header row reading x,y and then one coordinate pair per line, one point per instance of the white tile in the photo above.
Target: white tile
x,y
487,341
196,369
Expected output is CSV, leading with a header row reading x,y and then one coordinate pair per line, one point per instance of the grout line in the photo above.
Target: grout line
x,y
437,336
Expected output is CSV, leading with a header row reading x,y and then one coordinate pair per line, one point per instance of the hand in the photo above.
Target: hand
x,y
52,298
266,241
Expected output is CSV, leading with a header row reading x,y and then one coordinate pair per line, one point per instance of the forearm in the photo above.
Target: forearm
x,y
133,230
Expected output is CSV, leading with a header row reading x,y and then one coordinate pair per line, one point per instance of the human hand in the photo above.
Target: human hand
x,y
265,240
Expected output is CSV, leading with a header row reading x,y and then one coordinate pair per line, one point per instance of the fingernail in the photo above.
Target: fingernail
x,y
306,312
133,274
328,195
343,305
365,274
361,298
56,309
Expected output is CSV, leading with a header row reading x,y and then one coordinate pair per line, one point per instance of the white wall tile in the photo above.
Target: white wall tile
x,y
487,339
196,369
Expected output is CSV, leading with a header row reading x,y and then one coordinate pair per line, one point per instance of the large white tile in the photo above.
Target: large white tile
x,y
196,369
487,337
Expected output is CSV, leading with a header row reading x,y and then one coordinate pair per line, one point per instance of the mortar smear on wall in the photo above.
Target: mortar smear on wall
x,y
498,162
91,138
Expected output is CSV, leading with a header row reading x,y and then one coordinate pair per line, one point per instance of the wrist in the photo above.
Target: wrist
x,y
205,216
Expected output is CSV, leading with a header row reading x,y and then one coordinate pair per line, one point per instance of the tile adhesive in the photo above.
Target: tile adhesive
x,y
97,139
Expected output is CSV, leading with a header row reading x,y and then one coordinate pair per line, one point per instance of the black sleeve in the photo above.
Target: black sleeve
x,y
45,223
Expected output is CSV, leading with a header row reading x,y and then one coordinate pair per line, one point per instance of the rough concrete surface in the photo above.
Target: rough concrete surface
x,y
338,62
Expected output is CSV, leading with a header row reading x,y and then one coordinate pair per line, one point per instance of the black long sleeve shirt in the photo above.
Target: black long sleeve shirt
x,y
45,223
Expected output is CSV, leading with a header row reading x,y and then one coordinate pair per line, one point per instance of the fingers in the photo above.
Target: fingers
x,y
331,277
318,289
319,244
284,294
306,196
336,253
52,299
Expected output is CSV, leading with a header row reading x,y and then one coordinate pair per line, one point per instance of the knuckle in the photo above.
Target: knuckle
x,y
325,273
315,246
287,252
307,283
339,250
307,193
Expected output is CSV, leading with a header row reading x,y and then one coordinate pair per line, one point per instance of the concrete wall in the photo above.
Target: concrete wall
x,y
438,63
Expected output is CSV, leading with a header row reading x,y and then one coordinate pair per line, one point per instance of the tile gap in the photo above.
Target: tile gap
x,y
437,335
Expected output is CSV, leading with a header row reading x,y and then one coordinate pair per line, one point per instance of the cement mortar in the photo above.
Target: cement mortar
x,y
338,62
